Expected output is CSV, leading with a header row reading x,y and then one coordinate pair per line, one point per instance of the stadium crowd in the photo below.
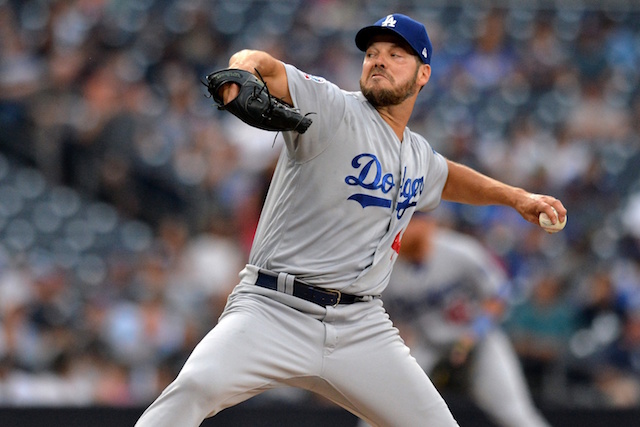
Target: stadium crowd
x,y
128,202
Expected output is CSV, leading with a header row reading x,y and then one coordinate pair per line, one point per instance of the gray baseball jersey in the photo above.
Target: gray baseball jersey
x,y
343,192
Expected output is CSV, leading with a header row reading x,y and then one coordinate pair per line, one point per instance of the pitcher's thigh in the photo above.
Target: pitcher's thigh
x,y
214,377
385,386
249,351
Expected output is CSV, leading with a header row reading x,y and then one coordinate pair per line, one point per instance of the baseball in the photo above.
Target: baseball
x,y
549,227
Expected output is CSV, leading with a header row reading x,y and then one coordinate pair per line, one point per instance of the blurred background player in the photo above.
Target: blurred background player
x,y
447,295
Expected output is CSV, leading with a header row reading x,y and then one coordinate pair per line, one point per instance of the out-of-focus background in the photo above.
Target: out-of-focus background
x,y
128,202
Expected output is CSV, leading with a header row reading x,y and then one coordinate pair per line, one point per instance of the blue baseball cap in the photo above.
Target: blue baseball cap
x,y
413,32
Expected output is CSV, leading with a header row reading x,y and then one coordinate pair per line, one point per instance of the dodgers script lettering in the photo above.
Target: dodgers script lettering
x,y
371,176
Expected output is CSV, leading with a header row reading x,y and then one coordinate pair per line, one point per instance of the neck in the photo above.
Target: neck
x,y
396,116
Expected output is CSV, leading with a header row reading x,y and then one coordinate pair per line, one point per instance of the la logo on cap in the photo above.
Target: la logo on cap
x,y
389,22
410,30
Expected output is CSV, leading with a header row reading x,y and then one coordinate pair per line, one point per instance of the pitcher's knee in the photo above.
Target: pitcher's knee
x,y
188,400
196,386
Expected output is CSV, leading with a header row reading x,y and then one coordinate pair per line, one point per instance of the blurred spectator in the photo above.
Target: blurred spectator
x,y
540,328
602,300
547,55
491,60
595,120
207,270
617,367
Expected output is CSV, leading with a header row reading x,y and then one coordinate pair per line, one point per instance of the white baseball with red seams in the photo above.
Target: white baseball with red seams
x,y
550,227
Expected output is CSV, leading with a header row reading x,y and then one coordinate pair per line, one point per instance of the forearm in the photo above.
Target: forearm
x,y
270,69
465,185
251,60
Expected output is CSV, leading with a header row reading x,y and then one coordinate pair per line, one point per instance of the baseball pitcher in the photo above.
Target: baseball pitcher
x,y
307,310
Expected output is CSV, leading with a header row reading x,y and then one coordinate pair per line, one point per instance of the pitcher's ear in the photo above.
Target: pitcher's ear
x,y
424,74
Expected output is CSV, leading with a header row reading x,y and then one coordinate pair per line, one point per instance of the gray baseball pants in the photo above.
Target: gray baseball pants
x,y
349,354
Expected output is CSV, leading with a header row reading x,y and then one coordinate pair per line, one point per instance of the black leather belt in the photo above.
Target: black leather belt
x,y
307,292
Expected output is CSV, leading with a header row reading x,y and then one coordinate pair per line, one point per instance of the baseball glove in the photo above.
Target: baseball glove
x,y
254,105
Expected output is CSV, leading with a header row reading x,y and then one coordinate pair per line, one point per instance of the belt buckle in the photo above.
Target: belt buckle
x,y
338,296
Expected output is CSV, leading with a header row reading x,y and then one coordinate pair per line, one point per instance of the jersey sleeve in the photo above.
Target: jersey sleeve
x,y
436,177
324,102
